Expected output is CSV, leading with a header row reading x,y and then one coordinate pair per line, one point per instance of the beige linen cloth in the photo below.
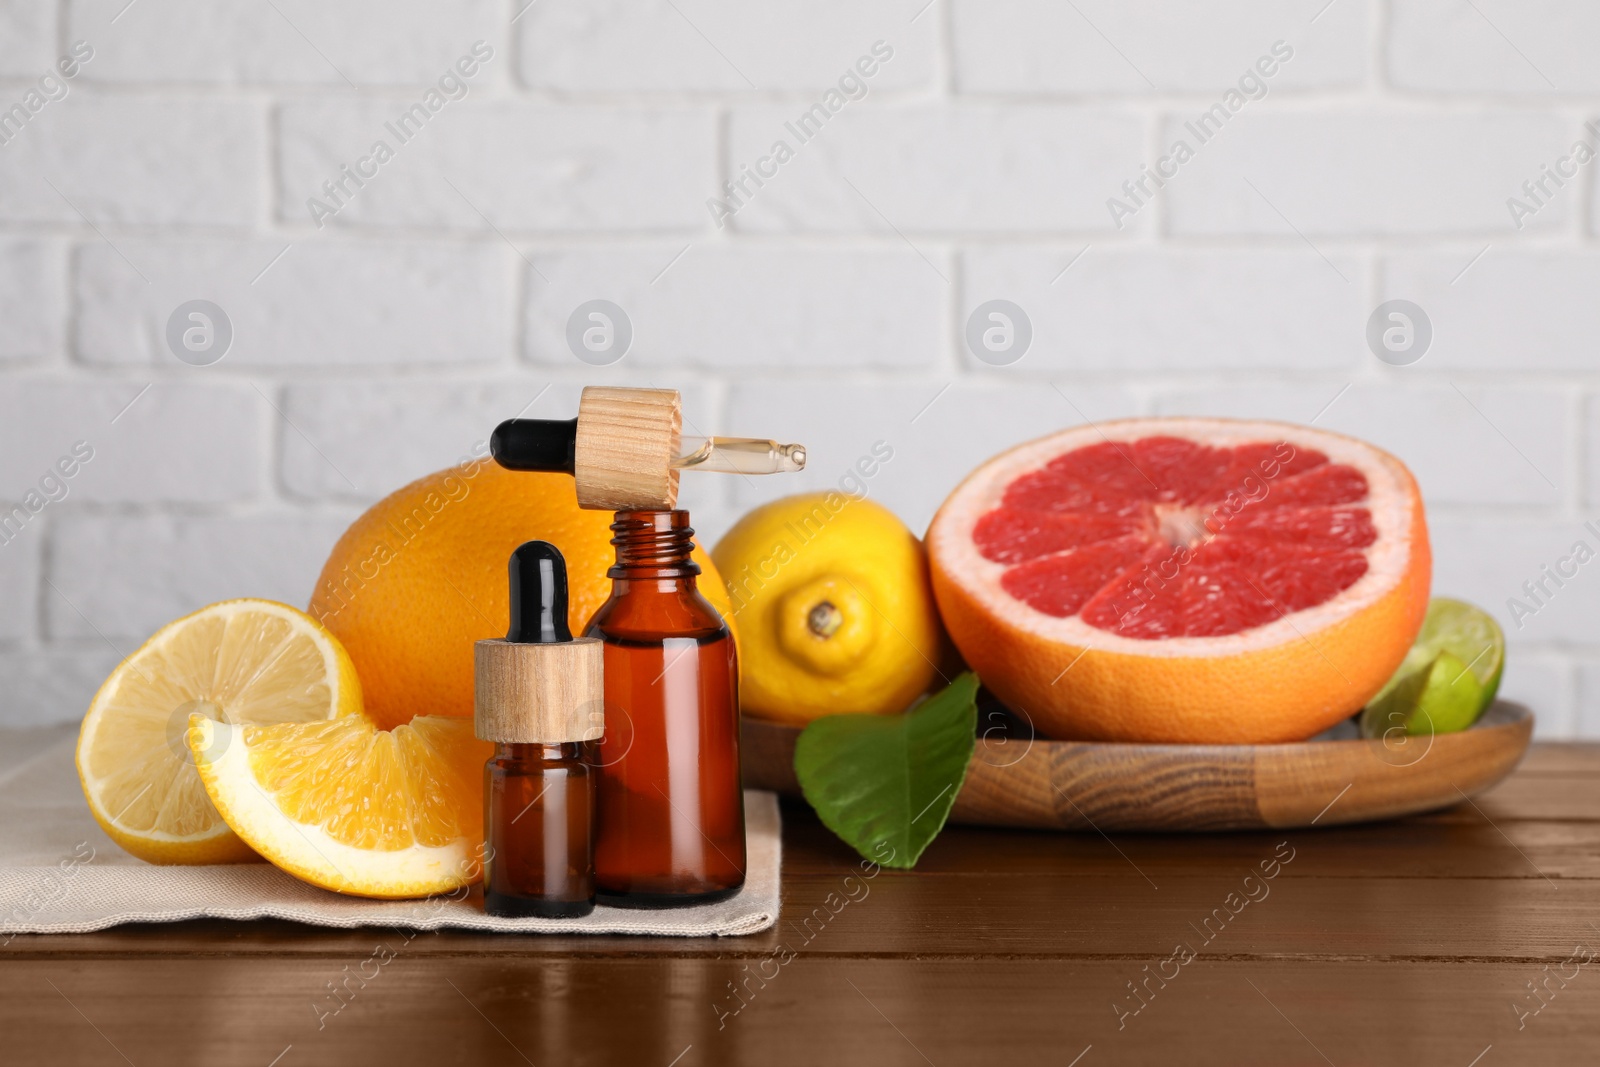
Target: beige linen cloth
x,y
60,873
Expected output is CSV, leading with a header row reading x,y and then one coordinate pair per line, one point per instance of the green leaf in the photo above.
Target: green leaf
x,y
885,783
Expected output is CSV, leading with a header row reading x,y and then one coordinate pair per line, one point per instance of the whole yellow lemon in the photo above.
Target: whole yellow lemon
x,y
833,605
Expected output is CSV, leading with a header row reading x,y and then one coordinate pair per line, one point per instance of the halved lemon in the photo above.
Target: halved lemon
x,y
240,661
349,807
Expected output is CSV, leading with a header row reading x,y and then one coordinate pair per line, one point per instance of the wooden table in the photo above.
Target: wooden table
x,y
1410,942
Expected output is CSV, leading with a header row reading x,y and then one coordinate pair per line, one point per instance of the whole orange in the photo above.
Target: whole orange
x,y
422,576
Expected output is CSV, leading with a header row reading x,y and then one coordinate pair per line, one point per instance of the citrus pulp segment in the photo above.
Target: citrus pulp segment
x,y
240,661
349,807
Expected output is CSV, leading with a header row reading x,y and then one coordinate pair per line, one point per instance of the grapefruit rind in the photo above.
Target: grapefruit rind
x,y
1282,681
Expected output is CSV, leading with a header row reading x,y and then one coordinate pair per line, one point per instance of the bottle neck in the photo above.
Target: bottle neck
x,y
653,545
535,752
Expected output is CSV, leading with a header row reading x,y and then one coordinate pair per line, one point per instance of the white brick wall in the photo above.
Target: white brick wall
x,y
935,427
515,166
174,442
19,586
1147,47
1369,172
344,441
370,42
300,302
1149,308
42,683
710,46
1522,47
140,160
745,307
1537,304
119,577
32,299
577,162
1451,440
937,168
25,39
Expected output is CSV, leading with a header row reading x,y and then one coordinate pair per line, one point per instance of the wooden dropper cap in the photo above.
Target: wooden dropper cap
x,y
538,686
627,440
619,450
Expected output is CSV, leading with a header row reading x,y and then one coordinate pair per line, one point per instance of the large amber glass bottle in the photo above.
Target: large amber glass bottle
x,y
670,820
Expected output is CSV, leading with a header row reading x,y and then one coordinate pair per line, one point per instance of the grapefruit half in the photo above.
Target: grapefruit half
x,y
1203,581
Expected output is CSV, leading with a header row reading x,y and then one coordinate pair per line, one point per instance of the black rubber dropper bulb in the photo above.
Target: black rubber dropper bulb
x,y
536,445
551,445
538,595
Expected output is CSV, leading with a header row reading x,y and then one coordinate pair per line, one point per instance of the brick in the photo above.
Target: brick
x,y
1452,46
19,580
787,46
323,303
1362,172
362,441
736,308
533,167
129,575
1035,46
1591,423
1513,309
370,42
936,437
33,305
1486,561
1457,454
382,436
26,43
53,685
1142,309
1586,717
138,161
175,442
1025,168
1544,684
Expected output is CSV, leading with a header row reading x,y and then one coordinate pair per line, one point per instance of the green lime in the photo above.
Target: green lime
x,y
1449,676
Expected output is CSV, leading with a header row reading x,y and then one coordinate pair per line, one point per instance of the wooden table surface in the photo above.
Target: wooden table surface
x,y
1413,942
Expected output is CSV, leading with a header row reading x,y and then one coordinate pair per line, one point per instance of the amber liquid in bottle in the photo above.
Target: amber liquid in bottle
x,y
670,820
538,801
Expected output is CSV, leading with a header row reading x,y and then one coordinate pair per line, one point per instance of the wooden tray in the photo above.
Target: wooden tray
x,y
1336,777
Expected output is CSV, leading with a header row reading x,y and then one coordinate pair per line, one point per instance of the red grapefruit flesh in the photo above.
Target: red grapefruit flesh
x,y
1184,580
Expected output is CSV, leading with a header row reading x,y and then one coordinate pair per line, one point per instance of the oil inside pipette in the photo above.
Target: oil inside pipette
x,y
739,455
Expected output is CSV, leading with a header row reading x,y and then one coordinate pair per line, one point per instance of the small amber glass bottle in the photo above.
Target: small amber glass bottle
x,y
671,809
538,824
538,697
